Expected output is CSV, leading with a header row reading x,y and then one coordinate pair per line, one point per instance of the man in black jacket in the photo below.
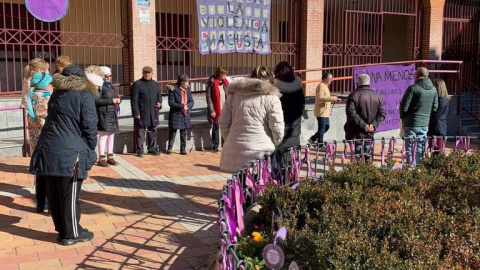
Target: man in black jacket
x,y
365,113
146,102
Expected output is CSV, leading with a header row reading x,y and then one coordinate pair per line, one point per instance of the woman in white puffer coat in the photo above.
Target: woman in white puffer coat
x,y
251,122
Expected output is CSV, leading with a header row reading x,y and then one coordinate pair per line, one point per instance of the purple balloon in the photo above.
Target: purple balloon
x,y
47,10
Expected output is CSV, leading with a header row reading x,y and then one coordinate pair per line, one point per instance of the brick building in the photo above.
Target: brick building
x,y
308,33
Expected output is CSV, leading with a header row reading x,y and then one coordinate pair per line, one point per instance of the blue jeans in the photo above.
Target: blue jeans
x,y
410,134
323,127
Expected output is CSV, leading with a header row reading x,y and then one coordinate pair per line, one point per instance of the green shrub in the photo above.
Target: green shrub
x,y
365,217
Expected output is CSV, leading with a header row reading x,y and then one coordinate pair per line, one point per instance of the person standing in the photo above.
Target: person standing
x,y
146,102
36,65
365,112
36,103
107,110
216,93
438,119
323,109
418,102
293,105
252,120
181,102
65,151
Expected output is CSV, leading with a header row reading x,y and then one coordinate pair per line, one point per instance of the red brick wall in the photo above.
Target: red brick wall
x,y
142,49
311,40
432,29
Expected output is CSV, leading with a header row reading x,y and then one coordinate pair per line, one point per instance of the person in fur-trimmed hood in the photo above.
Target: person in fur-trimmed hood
x,y
65,151
252,120
293,105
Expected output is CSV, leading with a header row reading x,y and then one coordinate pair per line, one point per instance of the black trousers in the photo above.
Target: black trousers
x,y
323,127
150,133
215,136
171,138
40,191
64,204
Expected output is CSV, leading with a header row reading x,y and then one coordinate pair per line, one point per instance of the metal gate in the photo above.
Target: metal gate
x,y
461,37
354,31
90,33
177,42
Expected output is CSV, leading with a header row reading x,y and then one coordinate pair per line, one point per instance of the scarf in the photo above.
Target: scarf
x,y
216,99
184,99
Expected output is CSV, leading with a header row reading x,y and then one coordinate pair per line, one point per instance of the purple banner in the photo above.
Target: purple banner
x,y
234,26
47,10
389,81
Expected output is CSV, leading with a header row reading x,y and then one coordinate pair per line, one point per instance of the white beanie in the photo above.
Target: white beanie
x,y
106,70
95,79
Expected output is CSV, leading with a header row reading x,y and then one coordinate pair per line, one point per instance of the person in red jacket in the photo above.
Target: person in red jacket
x,y
216,95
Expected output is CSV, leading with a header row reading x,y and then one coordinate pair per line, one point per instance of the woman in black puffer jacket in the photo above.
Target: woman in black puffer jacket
x,y
65,151
293,105
107,110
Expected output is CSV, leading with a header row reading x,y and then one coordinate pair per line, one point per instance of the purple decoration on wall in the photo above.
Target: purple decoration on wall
x,y
390,82
234,26
47,10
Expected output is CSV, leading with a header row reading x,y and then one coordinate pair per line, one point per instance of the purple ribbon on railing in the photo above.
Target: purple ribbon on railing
x,y
295,170
250,182
352,151
239,199
230,215
345,153
382,152
306,160
329,151
227,263
444,144
462,144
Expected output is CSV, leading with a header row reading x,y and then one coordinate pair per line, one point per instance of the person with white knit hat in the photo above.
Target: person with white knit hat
x,y
108,111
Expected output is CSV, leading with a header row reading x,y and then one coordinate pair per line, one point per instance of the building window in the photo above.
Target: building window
x,y
282,32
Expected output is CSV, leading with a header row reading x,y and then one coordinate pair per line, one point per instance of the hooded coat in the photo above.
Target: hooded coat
x,y
251,123
418,102
293,105
107,121
176,118
70,130
145,95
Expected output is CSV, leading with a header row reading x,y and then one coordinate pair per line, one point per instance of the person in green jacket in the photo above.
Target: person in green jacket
x,y
418,102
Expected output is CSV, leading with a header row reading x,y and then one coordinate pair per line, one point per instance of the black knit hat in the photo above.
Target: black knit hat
x,y
284,72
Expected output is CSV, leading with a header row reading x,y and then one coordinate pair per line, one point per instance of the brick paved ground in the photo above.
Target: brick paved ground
x,y
146,213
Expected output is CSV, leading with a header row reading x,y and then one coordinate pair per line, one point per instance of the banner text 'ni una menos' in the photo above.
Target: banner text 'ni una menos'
x,y
390,82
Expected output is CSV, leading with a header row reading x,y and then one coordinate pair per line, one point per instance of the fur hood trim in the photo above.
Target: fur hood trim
x,y
170,87
74,83
252,87
288,87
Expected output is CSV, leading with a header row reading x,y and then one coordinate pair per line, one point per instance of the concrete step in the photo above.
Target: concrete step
x,y
11,147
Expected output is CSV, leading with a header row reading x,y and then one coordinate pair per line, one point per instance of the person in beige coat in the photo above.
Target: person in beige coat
x,y
323,108
252,120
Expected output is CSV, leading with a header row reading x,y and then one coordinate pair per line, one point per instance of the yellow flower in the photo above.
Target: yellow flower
x,y
257,237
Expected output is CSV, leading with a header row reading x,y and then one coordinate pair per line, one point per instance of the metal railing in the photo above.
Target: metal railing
x,y
472,105
250,181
